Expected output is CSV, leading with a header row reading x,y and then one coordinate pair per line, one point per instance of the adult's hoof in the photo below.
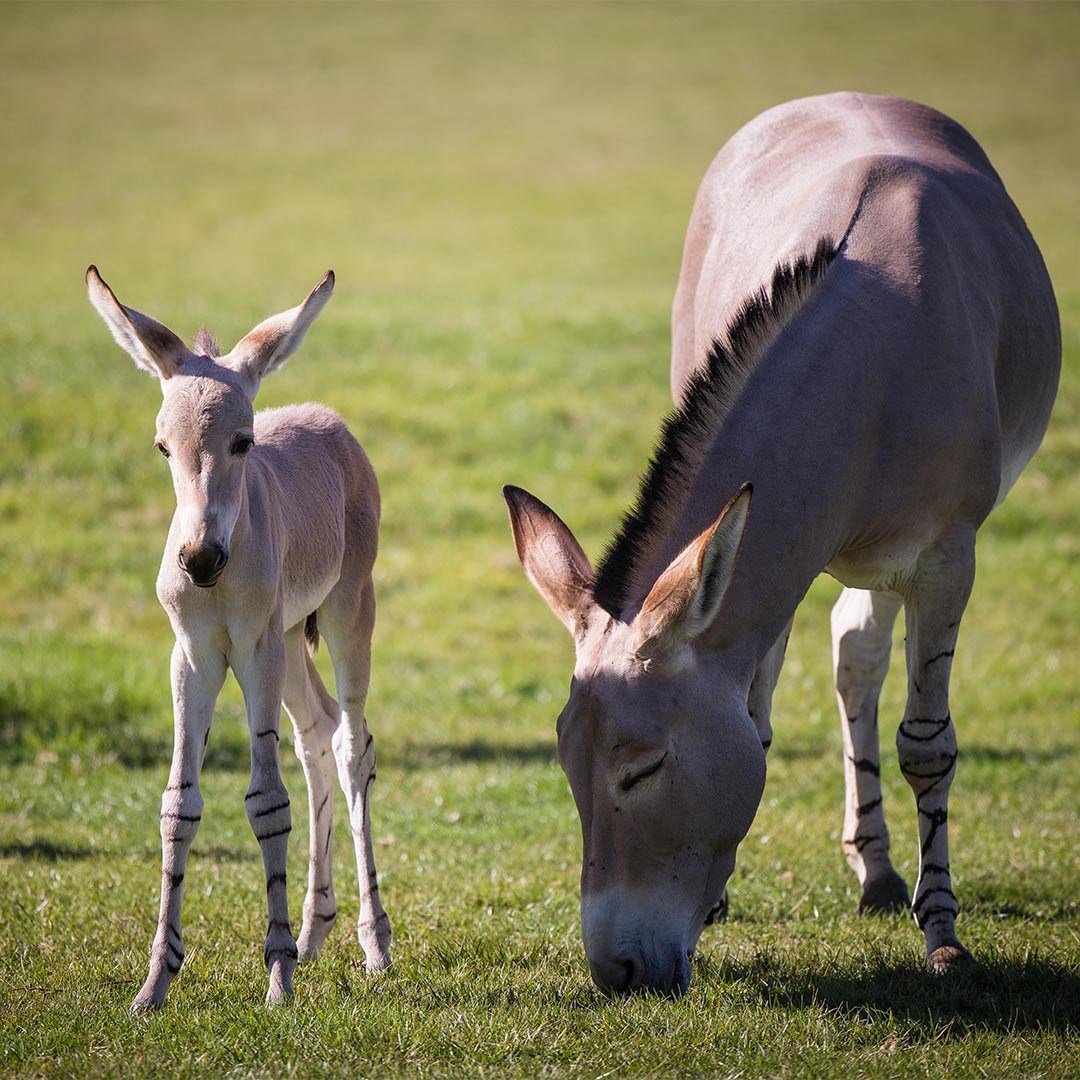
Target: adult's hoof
x,y
884,895
948,959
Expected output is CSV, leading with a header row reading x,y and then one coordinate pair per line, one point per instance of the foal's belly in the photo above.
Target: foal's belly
x,y
302,598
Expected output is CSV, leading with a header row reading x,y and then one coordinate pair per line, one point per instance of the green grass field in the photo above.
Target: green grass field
x,y
502,191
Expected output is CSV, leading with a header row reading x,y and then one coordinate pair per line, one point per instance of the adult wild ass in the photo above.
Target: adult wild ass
x,y
273,539
881,391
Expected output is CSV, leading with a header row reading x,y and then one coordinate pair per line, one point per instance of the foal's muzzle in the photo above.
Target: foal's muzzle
x,y
203,563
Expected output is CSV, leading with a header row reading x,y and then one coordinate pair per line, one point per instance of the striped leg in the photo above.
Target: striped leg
x,y
262,676
926,740
348,635
196,683
314,715
862,624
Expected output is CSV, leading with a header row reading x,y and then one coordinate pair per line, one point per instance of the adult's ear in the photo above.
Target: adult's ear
x,y
687,595
551,558
274,340
153,347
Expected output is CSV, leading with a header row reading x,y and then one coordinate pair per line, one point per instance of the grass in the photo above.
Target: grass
x,y
502,192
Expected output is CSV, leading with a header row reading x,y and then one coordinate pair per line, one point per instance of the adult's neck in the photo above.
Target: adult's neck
x,y
786,434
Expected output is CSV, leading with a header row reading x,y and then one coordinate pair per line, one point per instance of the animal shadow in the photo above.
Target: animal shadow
x,y
1002,993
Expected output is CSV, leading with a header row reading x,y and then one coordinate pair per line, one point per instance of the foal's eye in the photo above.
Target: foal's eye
x,y
162,449
628,782
242,444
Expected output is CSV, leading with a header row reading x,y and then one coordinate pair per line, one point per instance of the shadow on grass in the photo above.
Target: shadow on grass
x,y
1001,993
477,751
46,851
1042,756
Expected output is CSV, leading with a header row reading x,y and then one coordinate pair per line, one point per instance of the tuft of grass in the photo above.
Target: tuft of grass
x,y
502,192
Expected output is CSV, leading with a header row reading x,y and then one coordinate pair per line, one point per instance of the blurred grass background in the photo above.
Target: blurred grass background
x,y
502,191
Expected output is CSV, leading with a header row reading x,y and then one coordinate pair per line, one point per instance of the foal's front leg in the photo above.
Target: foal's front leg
x,y
196,680
261,674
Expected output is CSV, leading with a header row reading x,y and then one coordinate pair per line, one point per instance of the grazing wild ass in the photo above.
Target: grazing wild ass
x,y
883,386
273,539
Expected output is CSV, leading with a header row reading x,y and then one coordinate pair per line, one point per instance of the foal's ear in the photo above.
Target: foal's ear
x,y
153,347
552,559
687,595
273,341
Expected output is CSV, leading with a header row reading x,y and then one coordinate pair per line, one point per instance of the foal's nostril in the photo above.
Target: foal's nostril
x,y
222,558
181,558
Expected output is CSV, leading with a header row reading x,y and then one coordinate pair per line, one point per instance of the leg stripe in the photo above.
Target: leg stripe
x,y
867,807
865,765
274,879
940,656
930,892
272,810
859,842
271,835
937,819
940,725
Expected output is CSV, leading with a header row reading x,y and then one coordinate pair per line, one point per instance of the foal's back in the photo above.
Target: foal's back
x,y
308,464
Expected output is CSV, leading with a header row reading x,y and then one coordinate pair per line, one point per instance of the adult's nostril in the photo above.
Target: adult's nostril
x,y
622,973
222,558
181,558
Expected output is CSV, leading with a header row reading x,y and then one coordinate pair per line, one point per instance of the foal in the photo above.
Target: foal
x,y
274,538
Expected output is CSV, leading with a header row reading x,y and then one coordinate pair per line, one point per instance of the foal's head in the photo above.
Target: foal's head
x,y
205,426
664,762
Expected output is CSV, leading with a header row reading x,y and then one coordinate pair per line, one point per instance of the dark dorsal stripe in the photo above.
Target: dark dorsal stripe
x,y
687,431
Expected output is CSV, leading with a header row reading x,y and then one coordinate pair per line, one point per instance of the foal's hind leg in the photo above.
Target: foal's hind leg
x,y
314,715
862,624
347,618
926,741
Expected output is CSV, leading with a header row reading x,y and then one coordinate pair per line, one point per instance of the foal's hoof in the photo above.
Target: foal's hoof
x,y
949,959
143,1005
375,963
884,895
311,940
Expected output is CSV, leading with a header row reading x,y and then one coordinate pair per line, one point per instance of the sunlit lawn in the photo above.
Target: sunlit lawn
x,y
502,191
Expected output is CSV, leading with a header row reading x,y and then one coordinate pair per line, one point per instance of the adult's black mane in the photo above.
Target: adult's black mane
x,y
686,432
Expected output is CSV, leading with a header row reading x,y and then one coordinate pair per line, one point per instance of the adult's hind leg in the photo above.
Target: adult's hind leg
x,y
926,740
347,618
862,624
314,715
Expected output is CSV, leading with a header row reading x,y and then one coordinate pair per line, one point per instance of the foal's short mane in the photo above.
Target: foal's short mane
x,y
687,432
205,344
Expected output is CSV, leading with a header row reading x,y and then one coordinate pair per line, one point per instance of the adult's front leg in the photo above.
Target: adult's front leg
x,y
926,740
261,674
197,677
